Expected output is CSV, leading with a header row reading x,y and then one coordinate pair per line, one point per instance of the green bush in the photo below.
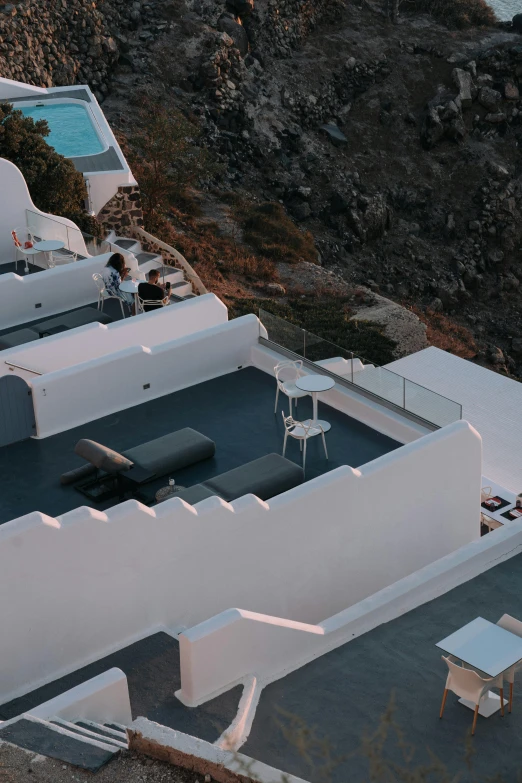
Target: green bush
x,y
328,319
54,184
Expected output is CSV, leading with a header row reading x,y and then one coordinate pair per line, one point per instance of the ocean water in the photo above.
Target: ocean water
x,y
72,132
506,9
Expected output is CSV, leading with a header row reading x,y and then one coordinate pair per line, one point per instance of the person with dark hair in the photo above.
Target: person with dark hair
x,y
113,273
153,291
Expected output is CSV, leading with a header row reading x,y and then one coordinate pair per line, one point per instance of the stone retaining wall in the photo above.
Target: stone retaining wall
x,y
123,210
57,43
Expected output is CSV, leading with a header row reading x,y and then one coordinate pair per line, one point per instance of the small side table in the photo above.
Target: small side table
x,y
131,287
313,384
47,246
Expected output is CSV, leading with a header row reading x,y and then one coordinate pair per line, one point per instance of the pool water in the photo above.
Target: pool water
x,y
72,132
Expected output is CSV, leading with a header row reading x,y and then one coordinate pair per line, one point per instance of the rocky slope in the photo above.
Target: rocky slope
x,y
397,146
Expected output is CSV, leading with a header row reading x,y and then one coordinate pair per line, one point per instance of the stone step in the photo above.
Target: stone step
x,y
113,735
51,740
88,732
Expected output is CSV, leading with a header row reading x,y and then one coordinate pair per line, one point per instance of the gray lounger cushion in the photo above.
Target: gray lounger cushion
x,y
195,494
101,457
264,477
19,337
172,452
87,315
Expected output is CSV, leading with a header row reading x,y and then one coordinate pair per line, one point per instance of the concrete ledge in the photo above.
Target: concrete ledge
x,y
199,756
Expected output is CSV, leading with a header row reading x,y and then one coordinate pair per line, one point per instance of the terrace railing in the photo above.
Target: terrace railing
x,y
76,241
353,370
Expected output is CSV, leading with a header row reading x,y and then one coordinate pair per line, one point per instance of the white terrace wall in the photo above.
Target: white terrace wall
x,y
14,201
95,340
49,292
74,395
90,582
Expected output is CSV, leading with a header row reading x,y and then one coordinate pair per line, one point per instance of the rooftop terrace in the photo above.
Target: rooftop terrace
x,y
343,694
234,410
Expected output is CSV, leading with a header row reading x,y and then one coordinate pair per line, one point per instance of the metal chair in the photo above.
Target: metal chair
x,y
469,685
292,371
301,432
23,239
61,257
103,294
512,625
153,304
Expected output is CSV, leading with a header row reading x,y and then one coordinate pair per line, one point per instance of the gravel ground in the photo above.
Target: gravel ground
x,y
21,766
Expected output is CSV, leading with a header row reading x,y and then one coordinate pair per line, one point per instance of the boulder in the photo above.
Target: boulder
x,y
511,92
464,85
517,23
336,135
489,98
241,7
227,24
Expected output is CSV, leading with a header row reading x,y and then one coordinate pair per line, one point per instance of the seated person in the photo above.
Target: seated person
x,y
153,291
113,273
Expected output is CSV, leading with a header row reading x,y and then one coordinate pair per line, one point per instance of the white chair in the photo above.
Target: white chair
x,y
469,685
23,239
292,371
512,625
154,303
61,257
301,432
103,294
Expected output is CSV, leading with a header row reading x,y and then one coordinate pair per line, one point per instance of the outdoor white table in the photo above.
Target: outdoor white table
x,y
488,648
48,246
315,384
131,287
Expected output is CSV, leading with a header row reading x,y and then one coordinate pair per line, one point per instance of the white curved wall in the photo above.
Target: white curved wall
x,y
14,201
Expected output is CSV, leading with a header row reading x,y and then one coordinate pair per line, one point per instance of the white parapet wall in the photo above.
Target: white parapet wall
x,y
71,396
95,340
90,582
103,699
30,297
237,645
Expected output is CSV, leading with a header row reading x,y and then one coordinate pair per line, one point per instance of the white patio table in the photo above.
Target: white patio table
x,y
313,384
131,287
48,246
488,648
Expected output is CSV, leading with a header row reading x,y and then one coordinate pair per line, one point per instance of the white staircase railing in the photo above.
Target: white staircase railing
x,y
174,254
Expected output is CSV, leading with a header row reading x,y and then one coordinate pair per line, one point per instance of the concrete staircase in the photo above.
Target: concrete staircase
x,y
147,261
82,743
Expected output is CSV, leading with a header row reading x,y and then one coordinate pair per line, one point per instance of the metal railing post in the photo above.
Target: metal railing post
x,y
351,363
404,393
304,344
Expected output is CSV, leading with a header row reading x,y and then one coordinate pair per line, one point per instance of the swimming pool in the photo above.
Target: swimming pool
x,y
72,130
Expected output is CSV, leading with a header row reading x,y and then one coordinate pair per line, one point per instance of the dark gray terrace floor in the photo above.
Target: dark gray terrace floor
x,y
153,674
343,694
235,410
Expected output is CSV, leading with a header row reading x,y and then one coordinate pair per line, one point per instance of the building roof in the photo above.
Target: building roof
x,y
491,403
343,695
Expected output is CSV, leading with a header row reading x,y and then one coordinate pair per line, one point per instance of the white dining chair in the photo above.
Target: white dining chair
x,y
291,370
103,294
24,238
62,257
469,685
514,626
301,431
154,304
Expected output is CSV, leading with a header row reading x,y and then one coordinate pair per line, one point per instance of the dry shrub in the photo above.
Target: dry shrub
x,y
252,267
444,333
456,13
269,230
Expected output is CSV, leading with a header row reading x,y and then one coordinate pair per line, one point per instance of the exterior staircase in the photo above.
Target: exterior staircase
x,y
180,286
82,743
